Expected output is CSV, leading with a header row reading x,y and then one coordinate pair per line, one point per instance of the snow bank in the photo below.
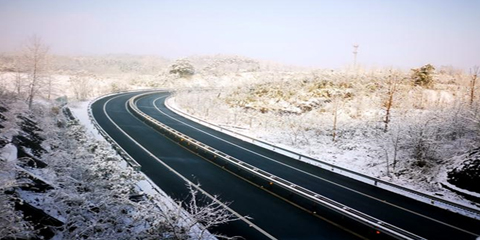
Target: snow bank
x,y
80,111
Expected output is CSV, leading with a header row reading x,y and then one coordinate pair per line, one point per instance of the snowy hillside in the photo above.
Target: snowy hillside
x,y
58,182
340,117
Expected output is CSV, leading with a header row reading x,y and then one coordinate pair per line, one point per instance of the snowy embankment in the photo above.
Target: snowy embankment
x,y
58,182
356,153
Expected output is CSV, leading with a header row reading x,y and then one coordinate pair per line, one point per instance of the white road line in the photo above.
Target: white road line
x,y
299,170
242,218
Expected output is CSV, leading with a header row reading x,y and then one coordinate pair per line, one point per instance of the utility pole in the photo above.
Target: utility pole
x,y
355,51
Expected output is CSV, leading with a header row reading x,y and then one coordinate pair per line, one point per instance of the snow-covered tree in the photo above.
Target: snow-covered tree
x,y
82,86
34,63
182,67
474,72
392,85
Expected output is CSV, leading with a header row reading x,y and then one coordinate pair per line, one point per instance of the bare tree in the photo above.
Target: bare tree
x,y
392,88
34,59
385,150
422,140
390,143
18,82
49,84
206,211
474,74
297,129
337,102
81,86
395,138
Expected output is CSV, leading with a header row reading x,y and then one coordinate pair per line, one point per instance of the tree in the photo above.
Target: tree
x,y
390,142
209,212
81,86
34,60
337,104
422,139
18,82
297,128
50,87
423,76
474,74
392,88
183,68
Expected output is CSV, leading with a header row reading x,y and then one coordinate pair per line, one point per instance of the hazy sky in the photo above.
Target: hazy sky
x,y
401,33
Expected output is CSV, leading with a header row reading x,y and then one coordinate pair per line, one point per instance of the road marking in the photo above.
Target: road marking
x,y
242,218
268,191
331,182
259,186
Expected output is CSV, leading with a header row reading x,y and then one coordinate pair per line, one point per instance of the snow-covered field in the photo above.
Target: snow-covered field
x,y
443,128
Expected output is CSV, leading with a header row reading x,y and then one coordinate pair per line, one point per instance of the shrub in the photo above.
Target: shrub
x,y
423,76
183,68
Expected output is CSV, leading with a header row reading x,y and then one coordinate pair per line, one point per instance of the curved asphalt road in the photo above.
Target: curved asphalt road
x,y
419,218
273,215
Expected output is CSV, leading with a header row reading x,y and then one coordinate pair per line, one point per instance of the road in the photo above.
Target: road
x,y
271,215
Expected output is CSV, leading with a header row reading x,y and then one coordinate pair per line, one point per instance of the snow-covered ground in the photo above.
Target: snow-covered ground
x,y
89,187
360,146
80,111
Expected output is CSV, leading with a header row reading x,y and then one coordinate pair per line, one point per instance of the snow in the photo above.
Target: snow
x,y
98,179
9,152
360,153
308,134
80,111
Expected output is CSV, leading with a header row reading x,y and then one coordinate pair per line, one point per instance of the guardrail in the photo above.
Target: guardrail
x,y
263,178
346,172
172,206
134,164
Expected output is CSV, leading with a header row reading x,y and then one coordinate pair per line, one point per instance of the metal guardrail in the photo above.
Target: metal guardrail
x,y
344,210
134,164
137,167
347,172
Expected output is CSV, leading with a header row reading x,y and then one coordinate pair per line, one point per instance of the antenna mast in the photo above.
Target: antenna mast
x,y
355,51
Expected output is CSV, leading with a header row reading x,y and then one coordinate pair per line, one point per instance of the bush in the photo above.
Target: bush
x,y
183,68
423,76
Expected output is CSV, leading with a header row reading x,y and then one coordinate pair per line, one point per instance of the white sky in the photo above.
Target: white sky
x,y
399,33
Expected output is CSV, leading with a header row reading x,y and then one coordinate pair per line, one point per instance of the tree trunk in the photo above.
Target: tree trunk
x,y
335,116
472,84
387,114
31,92
392,88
